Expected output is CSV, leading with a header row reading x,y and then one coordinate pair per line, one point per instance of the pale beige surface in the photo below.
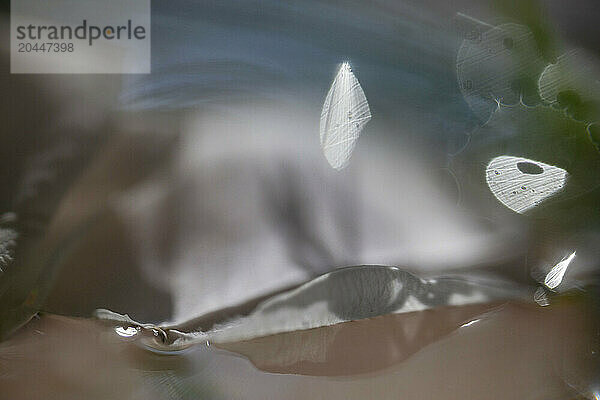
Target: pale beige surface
x,y
514,351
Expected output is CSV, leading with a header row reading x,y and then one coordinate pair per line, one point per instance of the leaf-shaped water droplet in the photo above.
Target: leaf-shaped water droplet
x,y
345,112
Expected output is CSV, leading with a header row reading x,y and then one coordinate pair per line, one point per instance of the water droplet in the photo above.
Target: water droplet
x,y
513,188
345,97
541,297
129,331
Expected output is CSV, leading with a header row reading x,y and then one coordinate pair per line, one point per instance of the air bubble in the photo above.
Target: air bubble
x,y
529,168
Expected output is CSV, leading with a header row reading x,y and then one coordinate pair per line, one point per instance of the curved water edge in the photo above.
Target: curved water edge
x,y
343,295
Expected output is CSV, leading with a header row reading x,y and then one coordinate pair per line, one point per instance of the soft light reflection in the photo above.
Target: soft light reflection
x,y
129,331
556,274
470,323
575,72
355,293
521,190
541,297
345,113
490,60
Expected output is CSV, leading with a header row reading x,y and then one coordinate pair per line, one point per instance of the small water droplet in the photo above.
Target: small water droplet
x,y
129,331
541,297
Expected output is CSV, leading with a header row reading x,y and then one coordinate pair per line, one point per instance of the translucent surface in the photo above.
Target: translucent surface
x,y
355,293
556,274
345,113
77,358
520,190
199,204
574,71
499,65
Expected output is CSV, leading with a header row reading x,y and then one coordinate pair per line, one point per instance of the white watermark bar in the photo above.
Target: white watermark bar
x,y
80,36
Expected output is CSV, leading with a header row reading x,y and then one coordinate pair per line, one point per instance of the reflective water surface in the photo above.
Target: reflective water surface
x,y
205,208
494,351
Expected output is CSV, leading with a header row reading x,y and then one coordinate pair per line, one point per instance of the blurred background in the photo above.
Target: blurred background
x,y
202,186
